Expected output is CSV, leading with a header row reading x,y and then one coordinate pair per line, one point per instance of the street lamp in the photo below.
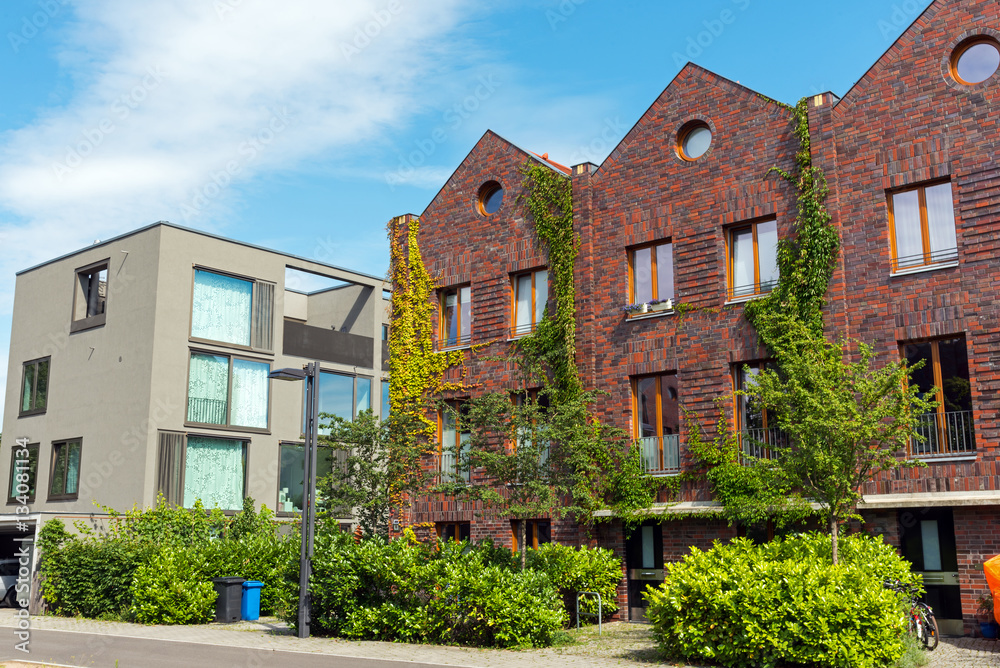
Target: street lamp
x,y
309,373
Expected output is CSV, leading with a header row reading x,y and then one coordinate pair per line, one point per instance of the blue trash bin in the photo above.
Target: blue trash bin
x,y
250,607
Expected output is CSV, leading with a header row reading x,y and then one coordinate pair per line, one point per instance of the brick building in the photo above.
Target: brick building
x,y
685,209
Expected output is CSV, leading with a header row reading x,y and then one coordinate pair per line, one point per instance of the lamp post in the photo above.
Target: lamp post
x,y
309,373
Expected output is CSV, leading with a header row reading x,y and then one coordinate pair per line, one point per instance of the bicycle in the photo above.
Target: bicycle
x,y
920,619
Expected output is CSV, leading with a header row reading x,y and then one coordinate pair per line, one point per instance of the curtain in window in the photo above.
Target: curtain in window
x,y
767,254
906,222
451,318
665,271
448,443
72,466
213,472
465,304
941,222
743,283
642,276
250,391
221,308
522,324
29,382
541,294
208,388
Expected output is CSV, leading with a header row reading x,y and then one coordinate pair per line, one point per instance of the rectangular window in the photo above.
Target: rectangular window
x,y
23,473
657,423
292,471
232,310
536,532
341,395
455,323
225,390
201,468
35,386
452,442
753,260
922,227
90,297
457,531
652,274
531,292
385,332
948,430
757,435
386,406
64,482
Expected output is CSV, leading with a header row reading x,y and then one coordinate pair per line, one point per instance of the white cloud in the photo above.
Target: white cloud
x,y
177,100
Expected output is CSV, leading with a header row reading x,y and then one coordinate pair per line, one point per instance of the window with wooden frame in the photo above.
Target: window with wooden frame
x,y
757,434
90,296
229,391
64,477
457,531
944,377
231,309
651,277
195,468
922,227
455,323
530,294
536,533
656,412
453,437
23,473
34,387
752,260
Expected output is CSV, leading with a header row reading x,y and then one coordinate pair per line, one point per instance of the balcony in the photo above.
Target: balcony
x,y
661,455
944,435
760,443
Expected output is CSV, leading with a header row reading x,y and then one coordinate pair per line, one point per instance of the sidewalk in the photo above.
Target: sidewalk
x,y
625,645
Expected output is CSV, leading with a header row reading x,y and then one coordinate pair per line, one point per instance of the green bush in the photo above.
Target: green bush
x,y
782,603
171,588
574,570
405,591
86,576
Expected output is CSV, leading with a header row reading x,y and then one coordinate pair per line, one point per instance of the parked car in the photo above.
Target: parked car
x,y
8,582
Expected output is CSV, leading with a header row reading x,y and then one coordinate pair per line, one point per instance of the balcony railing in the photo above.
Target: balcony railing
x,y
661,455
761,443
445,464
452,341
206,411
945,435
919,260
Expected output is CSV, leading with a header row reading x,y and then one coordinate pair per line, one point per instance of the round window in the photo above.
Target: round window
x,y
490,197
695,141
975,61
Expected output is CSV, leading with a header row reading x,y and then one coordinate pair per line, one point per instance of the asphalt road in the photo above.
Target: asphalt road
x,y
89,649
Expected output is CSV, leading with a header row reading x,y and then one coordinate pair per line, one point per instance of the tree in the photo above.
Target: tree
x,y
846,421
361,480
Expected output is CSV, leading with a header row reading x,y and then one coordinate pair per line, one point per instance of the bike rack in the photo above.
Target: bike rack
x,y
600,610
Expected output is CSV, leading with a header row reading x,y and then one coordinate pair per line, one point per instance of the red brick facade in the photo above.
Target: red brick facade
x,y
907,121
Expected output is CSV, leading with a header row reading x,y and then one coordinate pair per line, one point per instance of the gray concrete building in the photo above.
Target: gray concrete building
x,y
139,365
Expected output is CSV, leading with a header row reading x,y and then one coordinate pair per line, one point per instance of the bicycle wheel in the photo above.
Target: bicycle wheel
x,y
930,627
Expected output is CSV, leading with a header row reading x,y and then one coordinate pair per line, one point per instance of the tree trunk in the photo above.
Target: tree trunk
x,y
523,529
833,538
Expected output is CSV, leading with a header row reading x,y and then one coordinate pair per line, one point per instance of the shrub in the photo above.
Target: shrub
x,y
171,588
406,591
574,570
782,603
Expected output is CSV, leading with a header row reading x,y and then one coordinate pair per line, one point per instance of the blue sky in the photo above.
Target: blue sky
x,y
305,125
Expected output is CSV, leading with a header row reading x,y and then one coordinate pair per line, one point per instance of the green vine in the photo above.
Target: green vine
x,y
806,264
416,368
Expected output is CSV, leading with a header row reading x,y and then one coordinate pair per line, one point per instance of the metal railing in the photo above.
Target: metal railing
x,y
944,434
661,455
751,289
446,465
761,443
918,260
206,411
455,341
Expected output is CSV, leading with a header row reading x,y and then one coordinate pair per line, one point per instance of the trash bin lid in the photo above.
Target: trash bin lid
x,y
253,584
229,580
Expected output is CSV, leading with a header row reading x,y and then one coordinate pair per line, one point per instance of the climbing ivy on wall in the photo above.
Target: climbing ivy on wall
x,y
416,369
